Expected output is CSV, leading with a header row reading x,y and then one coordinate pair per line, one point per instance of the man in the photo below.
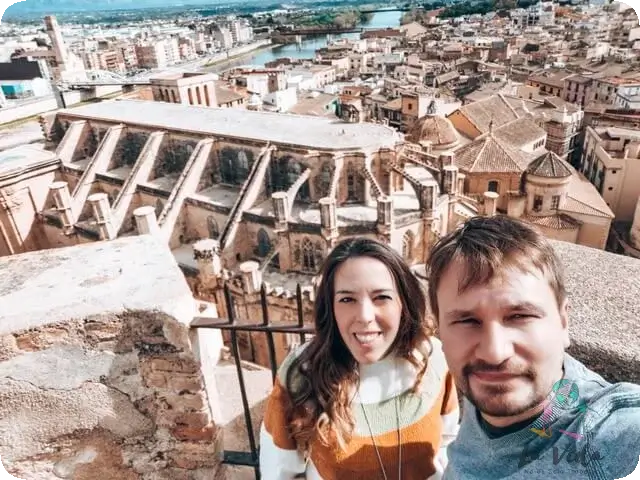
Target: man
x,y
530,410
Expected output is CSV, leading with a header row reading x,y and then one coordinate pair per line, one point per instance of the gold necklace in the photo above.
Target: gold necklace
x,y
384,473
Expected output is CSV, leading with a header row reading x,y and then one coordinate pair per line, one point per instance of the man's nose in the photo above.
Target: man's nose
x,y
495,344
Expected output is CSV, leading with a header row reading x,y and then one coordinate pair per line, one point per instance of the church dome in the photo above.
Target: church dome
x,y
435,129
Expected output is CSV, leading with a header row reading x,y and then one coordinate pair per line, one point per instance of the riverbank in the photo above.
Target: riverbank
x,y
238,52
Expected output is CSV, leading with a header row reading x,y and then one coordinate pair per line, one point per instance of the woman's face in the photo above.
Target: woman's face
x,y
367,308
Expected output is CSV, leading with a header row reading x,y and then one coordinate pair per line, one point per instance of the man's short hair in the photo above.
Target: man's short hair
x,y
487,246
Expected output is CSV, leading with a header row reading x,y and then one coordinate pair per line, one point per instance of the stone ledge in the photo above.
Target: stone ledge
x,y
604,314
51,286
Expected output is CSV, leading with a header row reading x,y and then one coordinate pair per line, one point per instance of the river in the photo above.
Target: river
x,y
309,46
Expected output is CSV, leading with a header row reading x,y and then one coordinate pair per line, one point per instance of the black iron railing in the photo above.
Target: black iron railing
x,y
233,326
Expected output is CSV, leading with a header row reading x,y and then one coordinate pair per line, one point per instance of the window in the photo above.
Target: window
x,y
493,186
308,257
555,202
159,208
190,96
264,243
354,184
407,245
212,227
537,203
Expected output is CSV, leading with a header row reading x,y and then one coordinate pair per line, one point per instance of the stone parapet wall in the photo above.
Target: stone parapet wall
x,y
100,375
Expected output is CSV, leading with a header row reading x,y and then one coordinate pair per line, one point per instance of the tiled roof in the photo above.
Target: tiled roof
x,y
549,165
520,132
395,104
584,198
493,109
488,154
433,128
559,221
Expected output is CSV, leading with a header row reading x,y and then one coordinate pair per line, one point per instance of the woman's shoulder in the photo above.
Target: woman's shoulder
x,y
288,362
437,368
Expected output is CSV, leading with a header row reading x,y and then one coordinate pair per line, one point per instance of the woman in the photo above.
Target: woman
x,y
370,396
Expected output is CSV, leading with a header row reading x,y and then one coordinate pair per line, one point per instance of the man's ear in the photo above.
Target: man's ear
x,y
564,318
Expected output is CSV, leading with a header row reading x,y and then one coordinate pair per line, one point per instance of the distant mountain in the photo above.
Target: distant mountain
x,y
56,6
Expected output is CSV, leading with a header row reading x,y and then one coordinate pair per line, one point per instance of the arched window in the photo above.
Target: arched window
x,y
264,243
206,96
173,96
113,196
159,208
353,184
242,166
279,175
293,172
190,96
407,245
325,180
198,96
226,165
212,227
493,186
308,256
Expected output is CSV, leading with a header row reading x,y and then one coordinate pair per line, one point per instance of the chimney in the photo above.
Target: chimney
x,y
428,198
385,221
328,214
446,159
490,203
146,222
206,254
280,203
251,277
450,176
102,214
62,199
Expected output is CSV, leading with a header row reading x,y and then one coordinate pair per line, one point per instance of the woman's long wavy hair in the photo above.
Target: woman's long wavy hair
x,y
321,378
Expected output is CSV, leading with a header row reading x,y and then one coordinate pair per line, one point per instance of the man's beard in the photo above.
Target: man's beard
x,y
495,400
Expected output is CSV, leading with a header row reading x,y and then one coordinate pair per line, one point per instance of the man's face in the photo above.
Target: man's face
x,y
504,341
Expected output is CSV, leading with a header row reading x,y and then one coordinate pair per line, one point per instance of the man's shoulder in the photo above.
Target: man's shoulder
x,y
612,427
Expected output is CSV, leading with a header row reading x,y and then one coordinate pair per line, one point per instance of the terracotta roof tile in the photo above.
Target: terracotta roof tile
x,y
482,113
549,165
435,129
584,198
558,221
520,132
488,154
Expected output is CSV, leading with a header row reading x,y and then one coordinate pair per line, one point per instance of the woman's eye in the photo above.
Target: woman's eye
x,y
345,300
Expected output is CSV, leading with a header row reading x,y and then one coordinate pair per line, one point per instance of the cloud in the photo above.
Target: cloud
x,y
4,475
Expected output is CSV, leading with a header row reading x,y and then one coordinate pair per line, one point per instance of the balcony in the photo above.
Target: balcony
x,y
110,369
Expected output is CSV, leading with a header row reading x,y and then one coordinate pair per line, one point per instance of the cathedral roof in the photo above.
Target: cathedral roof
x,y
549,165
488,154
435,129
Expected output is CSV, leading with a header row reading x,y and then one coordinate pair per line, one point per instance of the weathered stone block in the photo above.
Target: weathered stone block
x,y
169,364
156,380
185,383
186,401
207,433
108,386
8,347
